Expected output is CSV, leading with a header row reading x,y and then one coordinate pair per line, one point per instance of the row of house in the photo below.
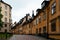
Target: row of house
x,y
45,23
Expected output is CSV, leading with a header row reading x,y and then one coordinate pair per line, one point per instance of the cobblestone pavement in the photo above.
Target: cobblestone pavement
x,y
26,37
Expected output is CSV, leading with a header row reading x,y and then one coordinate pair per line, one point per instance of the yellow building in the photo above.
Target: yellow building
x,y
50,19
46,22
54,19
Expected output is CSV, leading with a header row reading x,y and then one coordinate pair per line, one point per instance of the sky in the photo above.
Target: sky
x,y
22,7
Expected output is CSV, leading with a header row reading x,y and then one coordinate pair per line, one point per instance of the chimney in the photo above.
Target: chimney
x,y
32,13
27,16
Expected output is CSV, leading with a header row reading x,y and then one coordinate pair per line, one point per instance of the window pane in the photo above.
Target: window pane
x,y
39,30
53,25
44,29
5,13
5,19
44,16
0,29
5,25
5,30
37,21
36,31
53,8
6,7
59,4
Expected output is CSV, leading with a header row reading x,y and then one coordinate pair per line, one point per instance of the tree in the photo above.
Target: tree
x,y
1,23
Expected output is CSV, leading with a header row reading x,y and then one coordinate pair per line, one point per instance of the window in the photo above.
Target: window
x,y
34,22
40,20
54,8
53,25
47,0
10,9
44,16
44,29
37,21
59,4
43,4
36,31
9,15
29,26
5,30
59,19
10,20
59,22
6,7
5,13
29,31
5,25
0,29
39,30
5,19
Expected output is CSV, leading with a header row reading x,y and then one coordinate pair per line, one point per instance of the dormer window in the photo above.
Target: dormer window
x,y
43,4
47,0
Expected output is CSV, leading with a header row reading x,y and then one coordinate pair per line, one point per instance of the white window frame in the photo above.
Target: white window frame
x,y
54,4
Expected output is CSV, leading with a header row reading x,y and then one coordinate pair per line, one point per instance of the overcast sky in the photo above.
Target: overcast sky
x,y
22,7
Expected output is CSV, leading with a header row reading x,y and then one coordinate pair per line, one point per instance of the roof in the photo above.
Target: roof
x,y
6,4
45,3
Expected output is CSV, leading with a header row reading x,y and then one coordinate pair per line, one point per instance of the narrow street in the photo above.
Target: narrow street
x,y
26,37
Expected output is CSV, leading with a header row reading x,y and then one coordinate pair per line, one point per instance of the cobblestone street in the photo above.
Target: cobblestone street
x,y
26,37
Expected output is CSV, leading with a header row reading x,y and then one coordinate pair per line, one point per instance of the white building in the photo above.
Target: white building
x,y
6,12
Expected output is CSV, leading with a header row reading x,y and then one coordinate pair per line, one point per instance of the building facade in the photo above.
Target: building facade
x,y
54,19
18,29
6,12
46,22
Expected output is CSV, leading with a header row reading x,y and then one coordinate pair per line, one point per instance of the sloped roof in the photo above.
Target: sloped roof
x,y
6,4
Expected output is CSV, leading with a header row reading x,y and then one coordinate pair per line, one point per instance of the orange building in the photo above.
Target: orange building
x,y
46,22
54,19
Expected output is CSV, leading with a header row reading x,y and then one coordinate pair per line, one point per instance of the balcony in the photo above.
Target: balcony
x,y
45,3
